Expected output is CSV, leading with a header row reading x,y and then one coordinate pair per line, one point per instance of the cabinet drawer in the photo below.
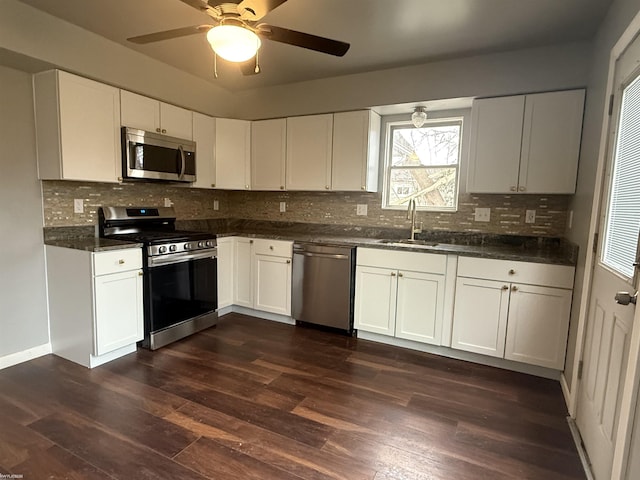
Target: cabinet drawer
x,y
276,248
560,276
117,261
413,261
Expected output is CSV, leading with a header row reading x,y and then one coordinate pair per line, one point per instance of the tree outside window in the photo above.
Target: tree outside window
x,y
423,164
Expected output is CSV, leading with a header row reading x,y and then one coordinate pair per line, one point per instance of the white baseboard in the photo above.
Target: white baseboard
x,y
274,317
577,439
461,355
566,393
25,355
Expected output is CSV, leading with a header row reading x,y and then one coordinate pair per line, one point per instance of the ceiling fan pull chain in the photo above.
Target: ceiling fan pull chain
x,y
257,69
215,65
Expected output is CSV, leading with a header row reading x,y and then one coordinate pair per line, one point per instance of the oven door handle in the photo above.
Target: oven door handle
x,y
180,257
182,162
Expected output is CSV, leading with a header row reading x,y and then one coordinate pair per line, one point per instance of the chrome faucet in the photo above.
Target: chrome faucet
x,y
411,215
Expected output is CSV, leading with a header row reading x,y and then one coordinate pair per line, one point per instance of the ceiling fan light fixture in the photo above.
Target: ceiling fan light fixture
x,y
233,43
419,116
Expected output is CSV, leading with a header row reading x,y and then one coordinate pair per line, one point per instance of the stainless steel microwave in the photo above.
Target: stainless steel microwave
x,y
147,155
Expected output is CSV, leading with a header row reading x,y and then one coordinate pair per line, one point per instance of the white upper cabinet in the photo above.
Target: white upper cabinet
x,y
268,154
309,150
152,115
78,128
551,142
233,154
356,145
526,143
204,133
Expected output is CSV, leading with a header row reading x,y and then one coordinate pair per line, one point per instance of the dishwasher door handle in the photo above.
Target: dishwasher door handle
x,y
323,255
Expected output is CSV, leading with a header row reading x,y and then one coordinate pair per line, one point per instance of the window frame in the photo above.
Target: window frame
x,y
390,126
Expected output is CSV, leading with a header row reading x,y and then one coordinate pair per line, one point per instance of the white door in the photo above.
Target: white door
x,y
420,306
272,284
375,303
176,121
233,154
309,141
140,112
117,323
268,154
609,325
480,316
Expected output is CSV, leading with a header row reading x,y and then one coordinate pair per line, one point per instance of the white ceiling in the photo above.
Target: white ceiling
x,y
382,33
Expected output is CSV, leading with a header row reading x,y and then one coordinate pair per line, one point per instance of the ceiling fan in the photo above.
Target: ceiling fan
x,y
236,33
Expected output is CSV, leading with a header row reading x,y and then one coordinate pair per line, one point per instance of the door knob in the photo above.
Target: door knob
x,y
625,298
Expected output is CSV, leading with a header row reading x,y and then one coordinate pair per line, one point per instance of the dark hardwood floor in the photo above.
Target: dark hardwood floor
x,y
253,399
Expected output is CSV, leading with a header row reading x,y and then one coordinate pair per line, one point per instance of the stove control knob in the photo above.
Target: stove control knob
x,y
162,249
208,243
172,248
200,244
187,246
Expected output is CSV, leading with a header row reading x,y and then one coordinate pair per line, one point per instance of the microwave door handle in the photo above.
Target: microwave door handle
x,y
182,164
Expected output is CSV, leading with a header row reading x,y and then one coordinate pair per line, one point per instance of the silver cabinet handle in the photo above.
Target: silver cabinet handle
x,y
522,189
158,130
270,247
288,261
182,161
164,131
400,274
514,289
250,241
512,272
121,262
513,188
505,287
393,274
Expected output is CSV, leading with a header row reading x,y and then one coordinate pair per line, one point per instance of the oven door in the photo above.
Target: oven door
x,y
179,290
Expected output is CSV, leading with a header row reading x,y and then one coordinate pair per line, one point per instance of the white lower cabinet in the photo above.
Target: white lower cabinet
x,y
226,255
95,303
513,310
262,275
401,294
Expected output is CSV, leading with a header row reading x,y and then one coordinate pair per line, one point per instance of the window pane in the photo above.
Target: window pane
x,y
431,187
623,217
429,145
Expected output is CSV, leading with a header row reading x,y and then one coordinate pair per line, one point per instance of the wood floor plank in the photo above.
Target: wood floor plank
x,y
262,400
119,458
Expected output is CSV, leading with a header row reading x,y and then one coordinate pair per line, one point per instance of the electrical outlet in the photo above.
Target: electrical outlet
x,y
570,219
283,207
78,205
168,202
216,205
530,216
361,209
483,214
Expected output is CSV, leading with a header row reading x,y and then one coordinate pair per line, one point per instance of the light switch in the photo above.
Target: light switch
x,y
361,209
78,205
216,205
168,202
283,207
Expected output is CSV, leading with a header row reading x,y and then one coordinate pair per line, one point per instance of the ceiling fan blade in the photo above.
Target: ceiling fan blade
x,y
256,9
169,34
249,67
198,4
304,40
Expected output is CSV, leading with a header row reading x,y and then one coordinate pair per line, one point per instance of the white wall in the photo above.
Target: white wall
x,y
23,305
618,18
37,35
522,71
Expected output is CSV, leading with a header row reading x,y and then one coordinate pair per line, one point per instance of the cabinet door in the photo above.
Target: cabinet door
x,y
225,271
176,122
272,280
496,134
204,131
78,128
538,325
233,154
551,142
375,302
268,154
354,165
243,275
419,307
309,152
117,310
480,316
140,112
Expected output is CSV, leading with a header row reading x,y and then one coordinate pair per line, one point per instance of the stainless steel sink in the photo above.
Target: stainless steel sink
x,y
406,242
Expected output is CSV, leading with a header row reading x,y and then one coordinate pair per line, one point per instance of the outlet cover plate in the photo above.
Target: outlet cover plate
x,y
483,215
361,209
530,216
78,205
283,207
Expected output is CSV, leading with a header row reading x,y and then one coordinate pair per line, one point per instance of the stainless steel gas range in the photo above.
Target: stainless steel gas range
x,y
180,271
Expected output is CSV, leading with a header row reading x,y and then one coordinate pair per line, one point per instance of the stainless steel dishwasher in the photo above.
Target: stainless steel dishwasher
x,y
323,285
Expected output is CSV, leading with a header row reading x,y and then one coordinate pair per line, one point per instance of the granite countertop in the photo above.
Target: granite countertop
x,y
92,244
536,250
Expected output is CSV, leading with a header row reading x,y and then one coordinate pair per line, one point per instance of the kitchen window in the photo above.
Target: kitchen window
x,y
423,164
